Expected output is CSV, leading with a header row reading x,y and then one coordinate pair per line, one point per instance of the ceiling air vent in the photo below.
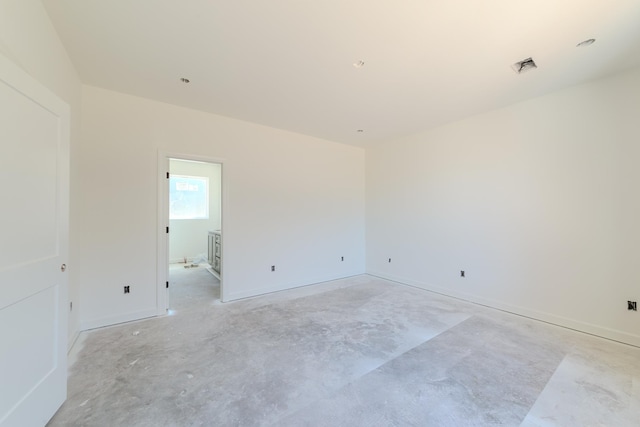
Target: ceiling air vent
x,y
524,65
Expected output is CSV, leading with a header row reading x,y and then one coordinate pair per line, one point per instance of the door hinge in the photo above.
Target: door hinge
x,y
167,229
167,285
167,175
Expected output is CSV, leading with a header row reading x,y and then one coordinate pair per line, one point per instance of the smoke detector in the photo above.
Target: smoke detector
x,y
524,65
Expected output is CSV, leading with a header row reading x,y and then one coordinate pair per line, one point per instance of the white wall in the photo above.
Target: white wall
x,y
28,38
537,202
188,237
293,201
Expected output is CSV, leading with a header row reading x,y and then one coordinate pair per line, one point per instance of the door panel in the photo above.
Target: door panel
x,y
36,339
34,138
29,149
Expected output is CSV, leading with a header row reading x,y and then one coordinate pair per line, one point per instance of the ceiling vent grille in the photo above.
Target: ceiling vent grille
x,y
524,65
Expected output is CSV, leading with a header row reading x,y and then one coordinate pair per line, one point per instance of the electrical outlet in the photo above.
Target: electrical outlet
x,y
273,268
389,259
632,305
126,289
462,273
341,258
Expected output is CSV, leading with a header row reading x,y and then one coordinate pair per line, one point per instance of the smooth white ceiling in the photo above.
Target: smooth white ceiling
x,y
288,63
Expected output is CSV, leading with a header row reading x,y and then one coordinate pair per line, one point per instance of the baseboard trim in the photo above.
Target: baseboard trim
x,y
565,322
291,285
118,318
73,341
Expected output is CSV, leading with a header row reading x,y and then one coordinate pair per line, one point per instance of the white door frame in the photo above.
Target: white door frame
x,y
162,299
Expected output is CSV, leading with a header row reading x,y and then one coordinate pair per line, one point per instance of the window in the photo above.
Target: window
x,y
188,197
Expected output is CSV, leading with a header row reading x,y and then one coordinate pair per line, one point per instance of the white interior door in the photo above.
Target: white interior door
x,y
34,196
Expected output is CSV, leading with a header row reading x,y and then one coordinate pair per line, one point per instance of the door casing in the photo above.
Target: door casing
x,y
163,222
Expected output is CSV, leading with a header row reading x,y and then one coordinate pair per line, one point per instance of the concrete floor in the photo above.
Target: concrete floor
x,y
354,352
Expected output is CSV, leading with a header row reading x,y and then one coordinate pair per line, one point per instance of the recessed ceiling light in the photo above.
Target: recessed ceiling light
x,y
184,80
358,64
587,42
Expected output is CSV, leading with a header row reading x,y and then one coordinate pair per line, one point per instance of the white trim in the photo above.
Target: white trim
x,y
289,286
72,341
162,271
162,274
120,318
564,322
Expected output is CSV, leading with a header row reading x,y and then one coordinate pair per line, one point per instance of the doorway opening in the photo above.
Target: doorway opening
x,y
190,252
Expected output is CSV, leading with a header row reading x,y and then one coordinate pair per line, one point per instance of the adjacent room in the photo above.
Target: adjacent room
x,y
334,213
195,240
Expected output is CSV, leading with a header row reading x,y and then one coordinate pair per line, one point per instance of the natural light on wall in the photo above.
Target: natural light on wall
x,y
188,197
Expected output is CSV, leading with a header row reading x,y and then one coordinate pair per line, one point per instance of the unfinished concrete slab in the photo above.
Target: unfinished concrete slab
x,y
355,352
